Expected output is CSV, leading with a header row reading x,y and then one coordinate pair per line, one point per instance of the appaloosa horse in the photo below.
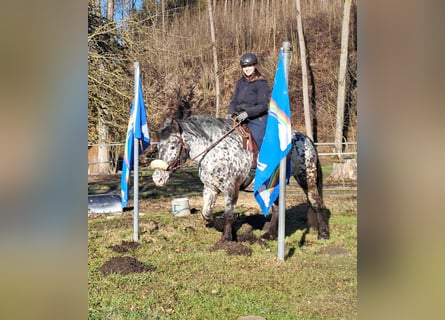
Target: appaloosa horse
x,y
224,165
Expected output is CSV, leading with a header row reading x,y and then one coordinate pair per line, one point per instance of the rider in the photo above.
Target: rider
x,y
250,100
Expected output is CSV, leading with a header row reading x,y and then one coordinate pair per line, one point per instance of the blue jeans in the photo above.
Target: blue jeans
x,y
258,126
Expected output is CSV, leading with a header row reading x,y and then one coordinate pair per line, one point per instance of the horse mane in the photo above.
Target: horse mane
x,y
205,127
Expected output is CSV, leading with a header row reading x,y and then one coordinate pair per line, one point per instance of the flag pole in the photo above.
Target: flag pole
x,y
282,196
136,159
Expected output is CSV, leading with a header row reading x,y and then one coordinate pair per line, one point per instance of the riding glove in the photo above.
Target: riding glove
x,y
242,116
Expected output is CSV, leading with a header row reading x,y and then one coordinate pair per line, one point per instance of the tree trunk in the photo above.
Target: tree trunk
x,y
103,159
96,7
252,10
110,10
163,16
307,107
342,78
215,57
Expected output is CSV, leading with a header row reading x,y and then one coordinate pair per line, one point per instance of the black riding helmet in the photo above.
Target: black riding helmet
x,y
248,59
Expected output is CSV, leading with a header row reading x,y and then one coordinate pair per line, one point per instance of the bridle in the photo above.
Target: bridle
x,y
176,163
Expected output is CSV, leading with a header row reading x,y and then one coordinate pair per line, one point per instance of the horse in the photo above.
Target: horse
x,y
224,165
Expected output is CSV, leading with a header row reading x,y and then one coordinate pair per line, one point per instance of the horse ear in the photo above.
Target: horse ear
x,y
175,126
170,125
167,122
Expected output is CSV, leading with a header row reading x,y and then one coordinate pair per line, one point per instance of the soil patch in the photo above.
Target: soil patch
x,y
247,237
125,246
125,265
232,248
335,251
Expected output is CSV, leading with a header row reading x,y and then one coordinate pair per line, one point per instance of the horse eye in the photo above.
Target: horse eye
x,y
172,148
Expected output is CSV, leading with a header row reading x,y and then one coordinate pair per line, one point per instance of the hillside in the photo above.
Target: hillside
x,y
174,49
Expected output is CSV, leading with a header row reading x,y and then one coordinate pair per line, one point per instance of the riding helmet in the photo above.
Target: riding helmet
x,y
248,59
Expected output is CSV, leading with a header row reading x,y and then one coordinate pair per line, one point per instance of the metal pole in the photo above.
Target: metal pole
x,y
136,158
282,196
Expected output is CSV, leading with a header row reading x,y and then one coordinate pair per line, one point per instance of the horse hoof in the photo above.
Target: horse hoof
x,y
323,237
225,239
266,237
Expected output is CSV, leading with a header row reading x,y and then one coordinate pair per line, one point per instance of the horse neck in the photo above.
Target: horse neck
x,y
199,142
195,144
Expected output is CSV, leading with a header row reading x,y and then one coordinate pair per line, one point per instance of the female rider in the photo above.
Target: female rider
x,y
250,99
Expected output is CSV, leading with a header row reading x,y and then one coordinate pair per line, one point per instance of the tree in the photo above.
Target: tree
x,y
107,73
215,57
302,46
183,61
342,78
110,10
94,6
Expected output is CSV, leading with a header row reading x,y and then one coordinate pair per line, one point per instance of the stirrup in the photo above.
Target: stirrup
x,y
249,179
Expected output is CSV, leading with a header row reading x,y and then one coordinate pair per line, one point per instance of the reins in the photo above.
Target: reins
x,y
174,167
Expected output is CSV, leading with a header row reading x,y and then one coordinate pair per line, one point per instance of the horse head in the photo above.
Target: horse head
x,y
172,152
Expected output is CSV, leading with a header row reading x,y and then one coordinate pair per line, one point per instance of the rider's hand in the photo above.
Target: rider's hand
x,y
242,116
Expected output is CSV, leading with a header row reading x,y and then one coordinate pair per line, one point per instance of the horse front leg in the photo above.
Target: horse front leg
x,y
209,196
230,216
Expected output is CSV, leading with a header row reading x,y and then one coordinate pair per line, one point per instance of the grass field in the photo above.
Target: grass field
x,y
317,280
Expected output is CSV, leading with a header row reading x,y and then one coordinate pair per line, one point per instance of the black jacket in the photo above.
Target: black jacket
x,y
252,97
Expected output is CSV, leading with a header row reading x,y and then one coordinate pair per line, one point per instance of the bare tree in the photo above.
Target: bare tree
x,y
110,10
342,78
252,11
95,5
107,73
215,57
103,155
196,61
302,45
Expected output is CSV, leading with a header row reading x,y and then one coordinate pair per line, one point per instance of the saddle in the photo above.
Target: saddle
x,y
248,141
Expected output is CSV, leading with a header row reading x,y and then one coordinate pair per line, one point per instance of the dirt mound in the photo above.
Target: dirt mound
x,y
247,237
124,246
232,248
125,265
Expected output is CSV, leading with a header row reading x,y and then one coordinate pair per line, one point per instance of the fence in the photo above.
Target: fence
x,y
116,151
328,149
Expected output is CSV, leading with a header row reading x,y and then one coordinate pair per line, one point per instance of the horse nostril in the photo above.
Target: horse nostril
x,y
159,178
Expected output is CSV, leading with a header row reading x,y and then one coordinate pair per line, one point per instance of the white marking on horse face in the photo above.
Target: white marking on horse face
x,y
169,148
160,177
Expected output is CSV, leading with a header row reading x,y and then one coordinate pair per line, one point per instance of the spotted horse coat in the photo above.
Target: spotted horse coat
x,y
224,167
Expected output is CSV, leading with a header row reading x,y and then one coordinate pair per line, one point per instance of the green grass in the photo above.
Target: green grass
x,y
326,170
316,281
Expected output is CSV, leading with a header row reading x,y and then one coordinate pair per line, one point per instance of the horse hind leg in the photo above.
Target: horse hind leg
x,y
318,215
318,218
272,231
307,172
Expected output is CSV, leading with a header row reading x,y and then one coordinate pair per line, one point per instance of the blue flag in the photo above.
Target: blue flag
x,y
276,144
137,128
